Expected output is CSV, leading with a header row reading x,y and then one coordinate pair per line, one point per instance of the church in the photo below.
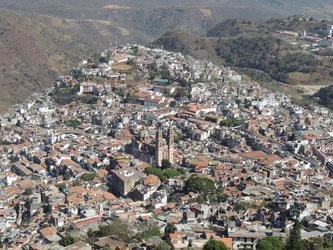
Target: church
x,y
150,151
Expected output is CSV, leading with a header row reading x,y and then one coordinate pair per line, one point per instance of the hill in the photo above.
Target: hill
x,y
149,19
253,46
244,26
52,28
33,54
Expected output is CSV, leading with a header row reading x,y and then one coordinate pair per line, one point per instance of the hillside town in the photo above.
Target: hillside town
x,y
141,148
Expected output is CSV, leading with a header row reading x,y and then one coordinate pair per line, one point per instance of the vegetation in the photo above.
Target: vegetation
x,y
170,228
239,26
163,175
77,182
199,185
163,246
213,244
116,228
231,122
27,191
252,46
131,99
88,176
63,96
181,93
305,101
88,99
270,243
164,72
61,186
3,142
294,241
67,175
66,240
242,205
325,96
150,232
173,104
39,55
166,164
266,53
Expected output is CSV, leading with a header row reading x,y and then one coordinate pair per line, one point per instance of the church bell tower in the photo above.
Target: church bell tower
x,y
170,145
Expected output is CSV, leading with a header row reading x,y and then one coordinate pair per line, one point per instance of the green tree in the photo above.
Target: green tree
x,y
153,231
182,92
213,244
171,172
247,103
135,50
61,186
199,185
173,104
166,164
116,228
104,59
66,240
73,123
238,102
163,246
328,243
67,175
156,171
294,241
170,228
270,243
77,182
231,122
27,191
314,243
4,142
88,176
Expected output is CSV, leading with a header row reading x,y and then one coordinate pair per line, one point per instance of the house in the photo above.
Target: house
x,y
119,59
50,234
124,180
200,135
87,88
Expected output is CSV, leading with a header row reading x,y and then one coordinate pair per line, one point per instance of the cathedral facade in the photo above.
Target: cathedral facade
x,y
153,152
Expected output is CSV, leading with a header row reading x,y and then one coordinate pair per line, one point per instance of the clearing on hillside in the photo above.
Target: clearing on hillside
x,y
115,7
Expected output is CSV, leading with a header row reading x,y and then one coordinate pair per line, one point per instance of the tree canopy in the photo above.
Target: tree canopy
x,y
67,240
88,176
213,244
166,164
170,228
325,96
270,243
199,185
294,241
231,122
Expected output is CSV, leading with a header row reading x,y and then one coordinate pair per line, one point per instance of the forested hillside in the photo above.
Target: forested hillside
x,y
252,46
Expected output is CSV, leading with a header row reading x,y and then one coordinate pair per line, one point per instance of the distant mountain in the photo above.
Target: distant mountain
x,y
57,33
245,26
33,54
253,47
149,19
